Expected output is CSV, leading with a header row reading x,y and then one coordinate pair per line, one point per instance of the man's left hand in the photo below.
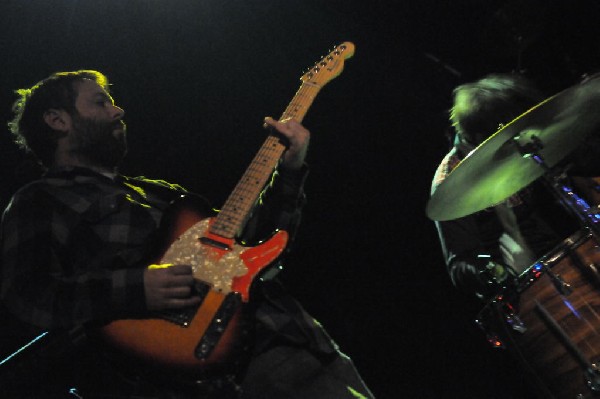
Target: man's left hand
x,y
298,137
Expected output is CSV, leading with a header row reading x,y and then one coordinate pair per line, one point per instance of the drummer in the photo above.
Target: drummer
x,y
482,249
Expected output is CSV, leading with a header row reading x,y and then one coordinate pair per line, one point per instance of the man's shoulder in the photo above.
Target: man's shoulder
x,y
23,199
51,187
156,183
33,189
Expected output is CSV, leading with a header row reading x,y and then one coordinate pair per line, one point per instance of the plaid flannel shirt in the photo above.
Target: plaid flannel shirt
x,y
74,243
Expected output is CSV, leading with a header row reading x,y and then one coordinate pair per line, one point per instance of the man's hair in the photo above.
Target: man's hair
x,y
58,91
481,106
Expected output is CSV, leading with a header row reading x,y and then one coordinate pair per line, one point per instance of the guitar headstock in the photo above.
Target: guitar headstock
x,y
330,66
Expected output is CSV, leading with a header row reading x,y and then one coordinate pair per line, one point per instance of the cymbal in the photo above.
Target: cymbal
x,y
500,167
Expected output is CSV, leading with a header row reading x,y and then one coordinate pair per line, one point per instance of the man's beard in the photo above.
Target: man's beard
x,y
97,143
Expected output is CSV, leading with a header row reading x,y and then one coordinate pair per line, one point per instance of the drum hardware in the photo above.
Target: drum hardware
x,y
589,268
497,277
562,287
591,372
593,377
556,180
513,320
510,317
493,338
587,215
536,271
544,265
541,268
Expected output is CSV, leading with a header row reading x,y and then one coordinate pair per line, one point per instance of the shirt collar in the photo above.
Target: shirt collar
x,y
70,170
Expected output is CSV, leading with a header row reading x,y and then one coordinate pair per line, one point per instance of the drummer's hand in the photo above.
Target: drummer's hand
x,y
169,287
493,278
298,137
498,272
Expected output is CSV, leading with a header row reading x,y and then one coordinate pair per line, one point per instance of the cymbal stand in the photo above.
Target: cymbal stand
x,y
556,180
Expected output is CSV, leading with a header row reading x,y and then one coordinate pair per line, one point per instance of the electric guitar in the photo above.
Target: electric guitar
x,y
204,336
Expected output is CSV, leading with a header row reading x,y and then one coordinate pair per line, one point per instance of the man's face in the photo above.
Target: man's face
x,y
98,133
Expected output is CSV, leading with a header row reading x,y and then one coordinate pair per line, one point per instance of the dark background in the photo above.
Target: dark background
x,y
197,77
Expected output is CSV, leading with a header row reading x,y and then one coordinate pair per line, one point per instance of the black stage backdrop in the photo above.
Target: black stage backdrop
x,y
197,77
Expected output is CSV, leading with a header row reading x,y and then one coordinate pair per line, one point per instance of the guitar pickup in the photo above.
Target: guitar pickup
x,y
215,243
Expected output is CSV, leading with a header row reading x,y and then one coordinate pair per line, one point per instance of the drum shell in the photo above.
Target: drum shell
x,y
550,321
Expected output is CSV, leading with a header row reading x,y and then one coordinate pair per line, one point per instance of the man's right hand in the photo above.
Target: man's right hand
x,y
169,287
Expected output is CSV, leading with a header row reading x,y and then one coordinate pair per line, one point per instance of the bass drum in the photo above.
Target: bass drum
x,y
550,320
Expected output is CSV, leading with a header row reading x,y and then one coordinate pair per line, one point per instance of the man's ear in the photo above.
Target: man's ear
x,y
58,119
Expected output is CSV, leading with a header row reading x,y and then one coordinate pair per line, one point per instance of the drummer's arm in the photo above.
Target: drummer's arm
x,y
470,269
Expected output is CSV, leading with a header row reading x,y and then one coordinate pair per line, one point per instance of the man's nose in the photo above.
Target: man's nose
x,y
118,112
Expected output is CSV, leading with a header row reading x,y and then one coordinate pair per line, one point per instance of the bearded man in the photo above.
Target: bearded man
x,y
75,248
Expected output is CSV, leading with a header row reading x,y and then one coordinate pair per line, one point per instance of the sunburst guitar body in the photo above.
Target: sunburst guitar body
x,y
209,334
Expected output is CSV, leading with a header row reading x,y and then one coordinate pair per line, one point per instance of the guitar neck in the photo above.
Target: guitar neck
x,y
236,210
238,207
